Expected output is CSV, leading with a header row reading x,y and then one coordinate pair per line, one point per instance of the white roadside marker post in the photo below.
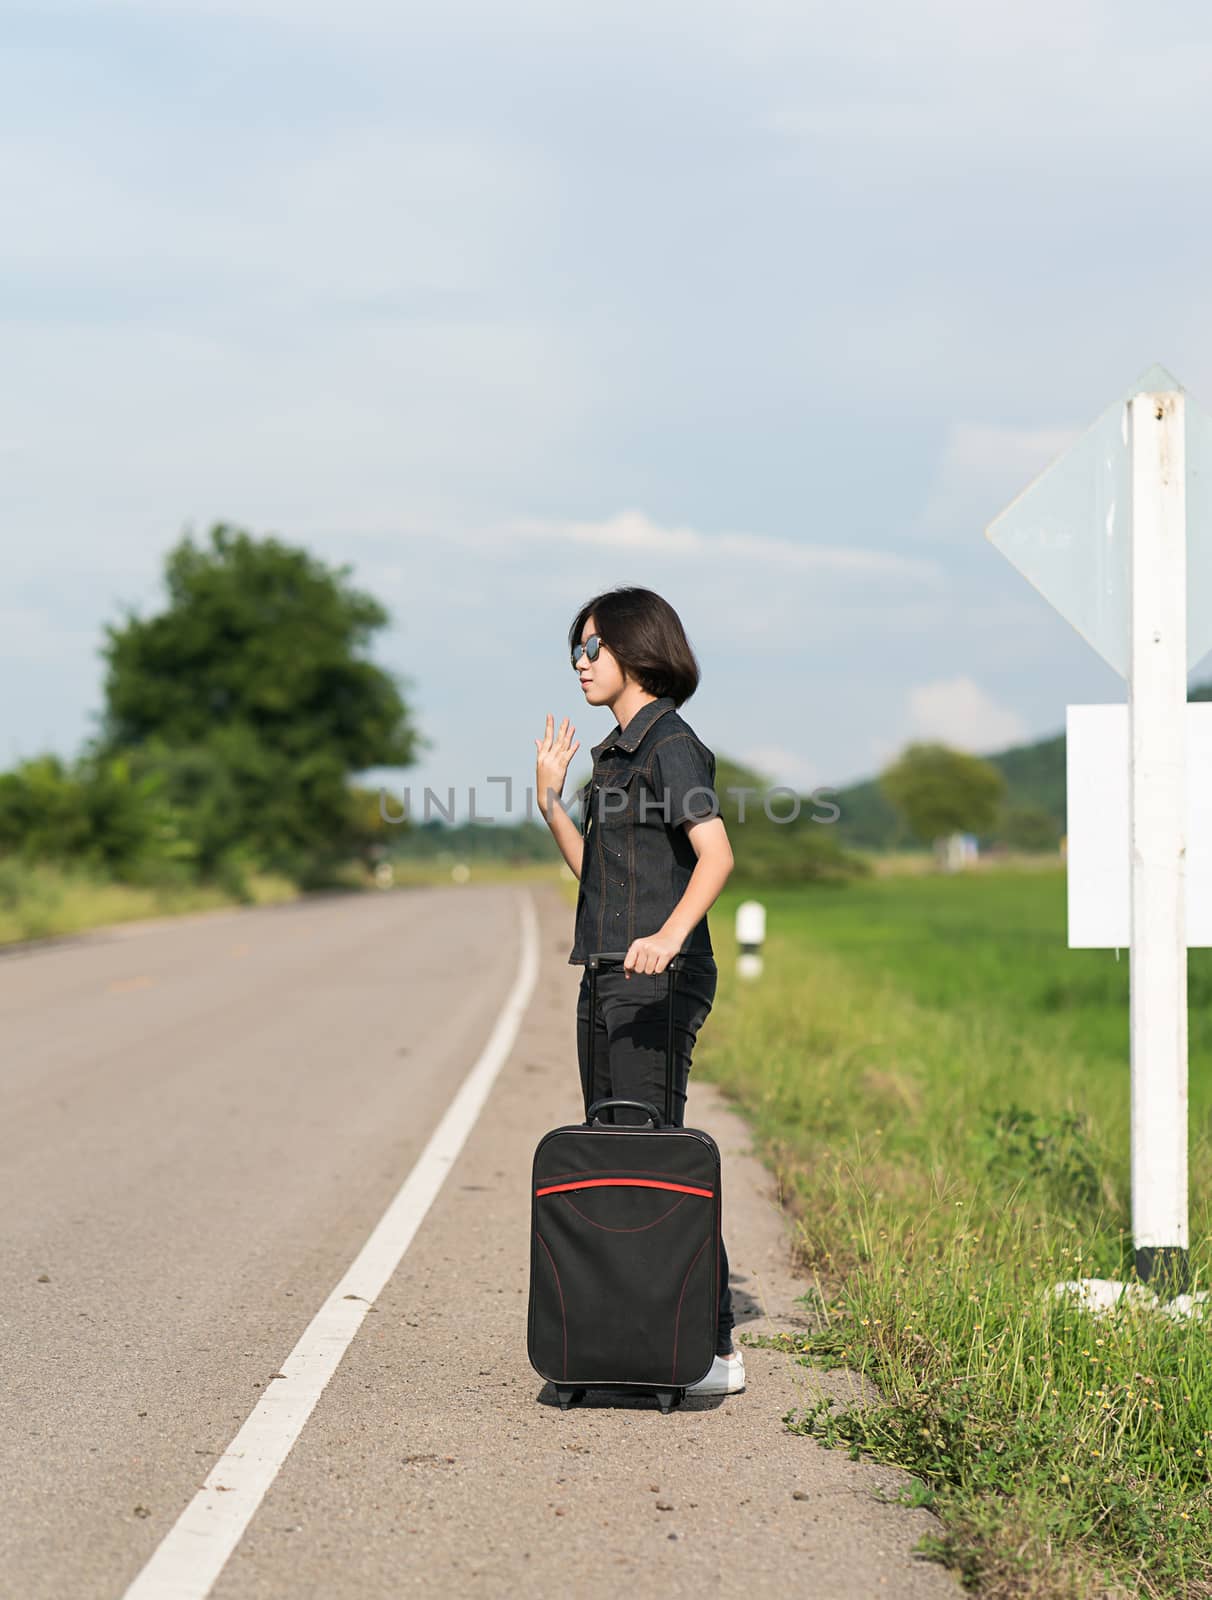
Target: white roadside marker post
x,y
1157,698
1106,534
750,932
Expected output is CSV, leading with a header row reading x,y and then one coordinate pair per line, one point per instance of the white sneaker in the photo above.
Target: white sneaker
x,y
726,1376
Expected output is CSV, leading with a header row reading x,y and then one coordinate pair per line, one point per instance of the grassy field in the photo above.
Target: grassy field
x,y
441,871
43,901
943,1089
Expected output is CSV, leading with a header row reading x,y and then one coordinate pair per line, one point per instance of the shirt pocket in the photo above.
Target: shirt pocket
x,y
615,801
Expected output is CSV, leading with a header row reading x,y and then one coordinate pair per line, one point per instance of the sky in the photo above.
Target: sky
x,y
771,307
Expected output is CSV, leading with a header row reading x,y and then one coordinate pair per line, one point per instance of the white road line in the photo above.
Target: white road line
x,y
192,1554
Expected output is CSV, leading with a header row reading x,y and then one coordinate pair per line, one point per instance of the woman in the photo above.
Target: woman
x,y
652,855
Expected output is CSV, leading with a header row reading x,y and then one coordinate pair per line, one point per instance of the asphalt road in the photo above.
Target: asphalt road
x,y
203,1122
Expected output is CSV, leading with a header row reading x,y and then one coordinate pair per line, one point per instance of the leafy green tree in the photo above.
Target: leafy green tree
x,y
941,791
253,693
1027,828
775,844
99,813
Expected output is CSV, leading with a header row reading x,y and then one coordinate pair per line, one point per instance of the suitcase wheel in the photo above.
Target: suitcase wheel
x,y
568,1396
668,1399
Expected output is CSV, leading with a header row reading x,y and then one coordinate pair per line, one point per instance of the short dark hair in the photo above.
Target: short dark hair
x,y
645,635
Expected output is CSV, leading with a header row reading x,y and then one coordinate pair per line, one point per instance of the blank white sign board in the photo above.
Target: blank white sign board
x,y
1097,849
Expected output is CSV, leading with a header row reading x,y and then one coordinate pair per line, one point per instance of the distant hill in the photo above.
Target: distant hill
x,y
1035,779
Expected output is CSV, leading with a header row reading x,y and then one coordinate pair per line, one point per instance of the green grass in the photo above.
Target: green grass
x,y
40,901
438,871
943,1088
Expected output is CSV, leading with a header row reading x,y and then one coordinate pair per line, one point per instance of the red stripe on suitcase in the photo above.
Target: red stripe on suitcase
x,y
625,1183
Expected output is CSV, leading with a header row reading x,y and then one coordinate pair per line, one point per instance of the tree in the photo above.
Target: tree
x,y
941,791
252,690
1028,827
99,813
784,839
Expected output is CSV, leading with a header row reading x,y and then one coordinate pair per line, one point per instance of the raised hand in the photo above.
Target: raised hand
x,y
553,752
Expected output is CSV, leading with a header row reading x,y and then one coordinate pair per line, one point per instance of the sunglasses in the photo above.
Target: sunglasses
x,y
589,649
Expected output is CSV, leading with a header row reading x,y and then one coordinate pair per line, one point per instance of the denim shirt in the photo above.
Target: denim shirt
x,y
636,861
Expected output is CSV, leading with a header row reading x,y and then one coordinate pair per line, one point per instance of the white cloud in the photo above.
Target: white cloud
x,y
983,467
951,711
633,531
783,766
958,712
883,751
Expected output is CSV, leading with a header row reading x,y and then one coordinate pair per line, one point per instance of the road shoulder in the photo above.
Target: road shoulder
x,y
437,1461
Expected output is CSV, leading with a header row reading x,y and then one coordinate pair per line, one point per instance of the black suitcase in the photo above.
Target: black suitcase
x,y
624,1249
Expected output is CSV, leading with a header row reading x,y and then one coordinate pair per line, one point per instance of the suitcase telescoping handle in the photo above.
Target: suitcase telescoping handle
x,y
594,960
646,1106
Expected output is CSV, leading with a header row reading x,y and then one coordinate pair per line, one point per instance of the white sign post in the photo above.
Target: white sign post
x,y
1103,534
1157,700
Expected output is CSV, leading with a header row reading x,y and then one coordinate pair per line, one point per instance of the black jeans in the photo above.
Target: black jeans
x,y
629,1055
